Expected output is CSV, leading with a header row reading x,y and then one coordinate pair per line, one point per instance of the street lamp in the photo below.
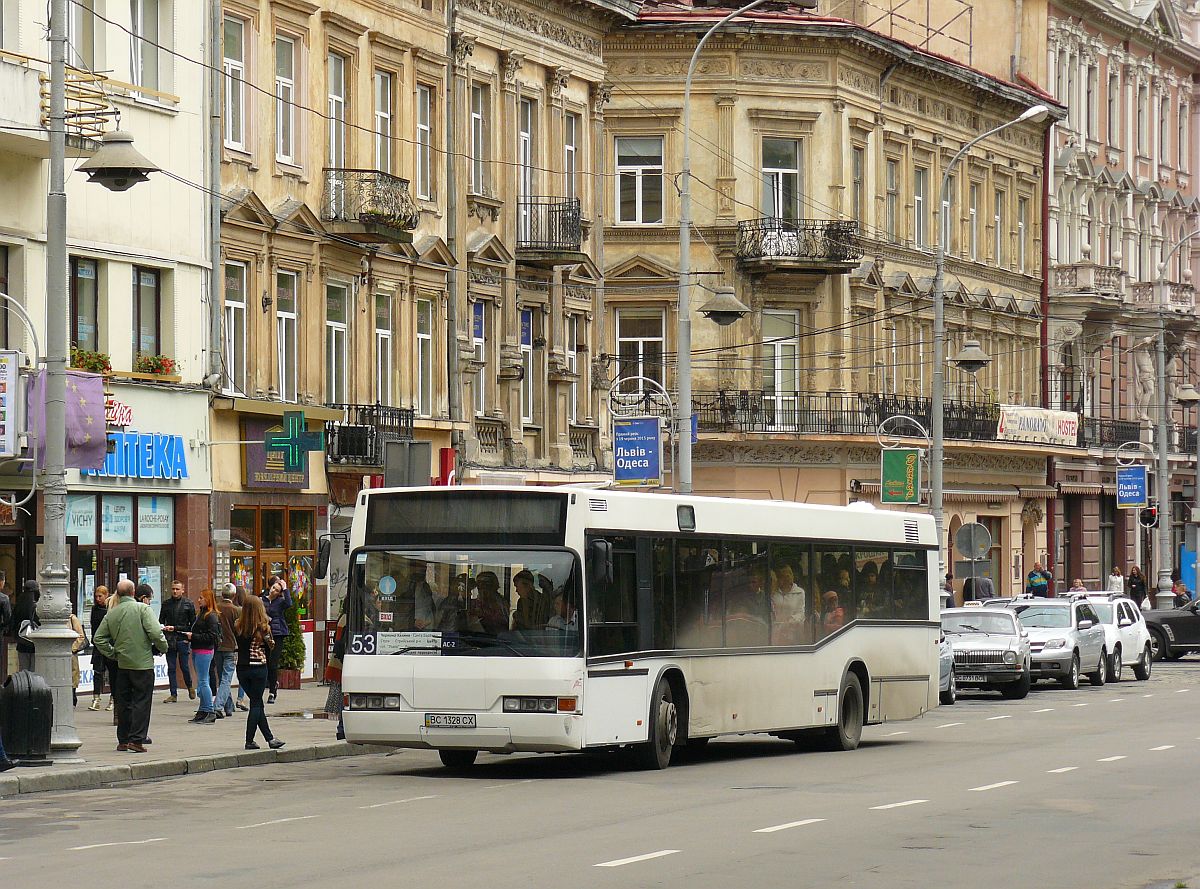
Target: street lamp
x,y
937,406
683,408
117,166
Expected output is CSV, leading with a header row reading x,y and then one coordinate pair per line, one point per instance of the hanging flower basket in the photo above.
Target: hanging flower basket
x,y
154,364
93,362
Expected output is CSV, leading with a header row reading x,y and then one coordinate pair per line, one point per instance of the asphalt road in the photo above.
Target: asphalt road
x,y
1093,788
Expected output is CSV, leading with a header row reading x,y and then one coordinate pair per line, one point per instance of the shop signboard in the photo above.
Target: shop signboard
x,y
637,451
1039,425
1132,488
266,469
10,365
900,475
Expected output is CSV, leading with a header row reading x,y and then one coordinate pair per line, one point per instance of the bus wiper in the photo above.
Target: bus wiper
x,y
485,638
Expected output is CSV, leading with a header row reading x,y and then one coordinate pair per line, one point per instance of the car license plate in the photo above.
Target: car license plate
x,y
972,677
449,720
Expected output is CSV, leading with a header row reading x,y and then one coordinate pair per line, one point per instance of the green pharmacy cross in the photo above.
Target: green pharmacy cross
x,y
295,441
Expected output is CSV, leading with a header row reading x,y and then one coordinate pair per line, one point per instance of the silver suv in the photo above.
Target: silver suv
x,y
1065,638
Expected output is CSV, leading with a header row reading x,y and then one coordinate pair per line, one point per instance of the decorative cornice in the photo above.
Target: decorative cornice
x,y
531,23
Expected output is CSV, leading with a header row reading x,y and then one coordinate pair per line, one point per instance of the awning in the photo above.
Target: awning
x,y
976,494
1038,492
1084,488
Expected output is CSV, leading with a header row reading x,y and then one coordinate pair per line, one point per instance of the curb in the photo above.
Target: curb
x,y
92,777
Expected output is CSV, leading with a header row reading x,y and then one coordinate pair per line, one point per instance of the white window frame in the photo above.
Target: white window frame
x,y
337,346
146,25
973,221
384,356
1114,109
858,176
425,370
479,346
526,335
424,148
643,367
385,116
1022,231
1142,97
774,182
1091,111
526,157
921,206
1181,144
779,401
235,85
1164,131
947,225
640,173
287,334
1000,197
891,184
81,34
572,124
285,102
478,166
336,109
571,329
234,352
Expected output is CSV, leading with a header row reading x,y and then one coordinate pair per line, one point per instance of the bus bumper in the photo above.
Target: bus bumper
x,y
514,733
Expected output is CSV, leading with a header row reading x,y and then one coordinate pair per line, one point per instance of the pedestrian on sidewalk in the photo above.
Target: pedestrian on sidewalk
x,y
130,635
204,637
333,674
99,661
76,647
25,618
239,600
253,631
1137,585
279,600
226,654
6,617
178,613
5,762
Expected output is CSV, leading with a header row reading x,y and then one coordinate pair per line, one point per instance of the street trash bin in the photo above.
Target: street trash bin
x,y
26,715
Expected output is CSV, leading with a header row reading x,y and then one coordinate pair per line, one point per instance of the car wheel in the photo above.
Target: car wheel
x,y
1158,645
1071,680
1015,691
1142,668
459,760
664,729
848,731
1096,677
1115,666
950,695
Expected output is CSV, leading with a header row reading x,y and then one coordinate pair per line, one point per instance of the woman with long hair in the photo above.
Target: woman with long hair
x,y
239,599
204,636
253,631
1136,585
99,661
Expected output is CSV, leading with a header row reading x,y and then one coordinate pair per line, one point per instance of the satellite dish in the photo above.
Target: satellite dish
x,y
973,541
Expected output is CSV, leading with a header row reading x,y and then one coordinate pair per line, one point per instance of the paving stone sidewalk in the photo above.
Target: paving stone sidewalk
x,y
182,748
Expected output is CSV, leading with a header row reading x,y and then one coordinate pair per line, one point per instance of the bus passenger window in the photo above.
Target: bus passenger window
x,y
699,609
873,584
662,633
835,583
911,596
741,578
789,583
612,608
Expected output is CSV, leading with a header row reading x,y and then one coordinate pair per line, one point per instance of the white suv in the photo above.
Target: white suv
x,y
1126,635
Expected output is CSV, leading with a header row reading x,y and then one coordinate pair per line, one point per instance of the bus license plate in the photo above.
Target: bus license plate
x,y
972,678
449,720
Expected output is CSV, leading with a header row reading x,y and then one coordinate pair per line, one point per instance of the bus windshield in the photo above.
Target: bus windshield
x,y
494,602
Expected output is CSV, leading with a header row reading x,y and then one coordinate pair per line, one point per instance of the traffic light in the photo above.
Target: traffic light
x,y
1148,517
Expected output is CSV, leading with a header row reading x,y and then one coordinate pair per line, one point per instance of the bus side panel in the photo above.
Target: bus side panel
x,y
748,693
616,708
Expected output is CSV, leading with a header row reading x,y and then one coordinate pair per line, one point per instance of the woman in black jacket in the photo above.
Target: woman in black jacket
x,y
205,635
1135,585
99,661
25,609
254,640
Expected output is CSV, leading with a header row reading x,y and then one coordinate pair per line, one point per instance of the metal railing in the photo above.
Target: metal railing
x,y
1099,433
818,241
370,197
359,438
549,224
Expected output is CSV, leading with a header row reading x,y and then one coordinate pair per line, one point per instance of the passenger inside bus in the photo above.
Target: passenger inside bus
x,y
488,607
533,606
834,616
566,615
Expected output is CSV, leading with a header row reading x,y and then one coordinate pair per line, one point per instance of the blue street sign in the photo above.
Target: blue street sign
x,y
695,428
637,451
1132,487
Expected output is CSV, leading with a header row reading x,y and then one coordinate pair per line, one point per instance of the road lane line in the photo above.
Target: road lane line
x,y
995,786
1061,771
1115,700
907,802
1080,705
789,825
1149,695
1181,690
1110,759
619,862
1045,710
123,843
893,734
276,821
1163,747
994,718
952,724
396,802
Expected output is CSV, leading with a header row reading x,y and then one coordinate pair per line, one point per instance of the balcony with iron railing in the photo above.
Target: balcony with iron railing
x,y
549,230
368,206
815,245
359,437
1088,281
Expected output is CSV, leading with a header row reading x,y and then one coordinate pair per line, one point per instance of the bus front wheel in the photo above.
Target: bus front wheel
x,y
458,759
848,731
664,729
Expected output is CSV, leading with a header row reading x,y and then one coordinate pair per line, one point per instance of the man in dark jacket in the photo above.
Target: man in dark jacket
x,y
177,615
226,654
278,601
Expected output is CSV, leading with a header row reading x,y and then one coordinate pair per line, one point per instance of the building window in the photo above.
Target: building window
x,y
946,226
147,26
235,328
5,287
337,297
858,164
1091,108
424,151
425,357
892,200
1181,142
479,345
528,392
384,115
337,110
81,34
572,332
640,179
973,222
266,540
920,206
1022,231
640,347
527,117
1164,132
780,364
147,322
1108,532
781,179
383,348
235,86
480,101
85,304
998,232
571,131
287,332
285,99
1114,110
1143,114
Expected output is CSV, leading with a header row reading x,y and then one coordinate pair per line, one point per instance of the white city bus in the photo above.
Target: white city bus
x,y
560,619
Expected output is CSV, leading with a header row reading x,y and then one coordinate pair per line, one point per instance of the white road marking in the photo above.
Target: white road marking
x,y
994,718
1080,705
790,824
893,734
622,861
1110,759
1181,690
396,802
1115,700
276,821
1062,770
995,786
907,802
1148,696
952,724
124,843
1045,710
506,784
1163,747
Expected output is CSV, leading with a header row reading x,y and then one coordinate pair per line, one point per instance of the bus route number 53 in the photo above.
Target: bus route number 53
x,y
362,643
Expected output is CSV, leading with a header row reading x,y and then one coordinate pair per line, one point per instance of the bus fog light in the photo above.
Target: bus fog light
x,y
512,705
529,705
358,702
567,705
376,702
545,705
391,702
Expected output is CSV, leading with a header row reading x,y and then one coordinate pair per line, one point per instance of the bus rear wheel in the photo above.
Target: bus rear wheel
x,y
459,760
848,731
664,729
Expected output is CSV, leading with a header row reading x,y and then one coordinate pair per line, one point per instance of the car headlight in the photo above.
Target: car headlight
x,y
1010,657
1055,643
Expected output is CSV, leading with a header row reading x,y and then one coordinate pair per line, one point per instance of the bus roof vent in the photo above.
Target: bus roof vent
x,y
911,534
598,505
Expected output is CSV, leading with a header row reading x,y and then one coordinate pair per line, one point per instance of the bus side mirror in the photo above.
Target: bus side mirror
x,y
600,562
323,558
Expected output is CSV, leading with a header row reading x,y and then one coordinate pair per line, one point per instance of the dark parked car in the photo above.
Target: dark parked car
x,y
1174,632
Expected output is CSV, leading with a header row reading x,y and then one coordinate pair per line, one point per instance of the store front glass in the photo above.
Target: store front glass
x,y
122,536
267,540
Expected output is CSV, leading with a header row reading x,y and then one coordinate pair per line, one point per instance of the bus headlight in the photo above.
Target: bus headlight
x,y
531,704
